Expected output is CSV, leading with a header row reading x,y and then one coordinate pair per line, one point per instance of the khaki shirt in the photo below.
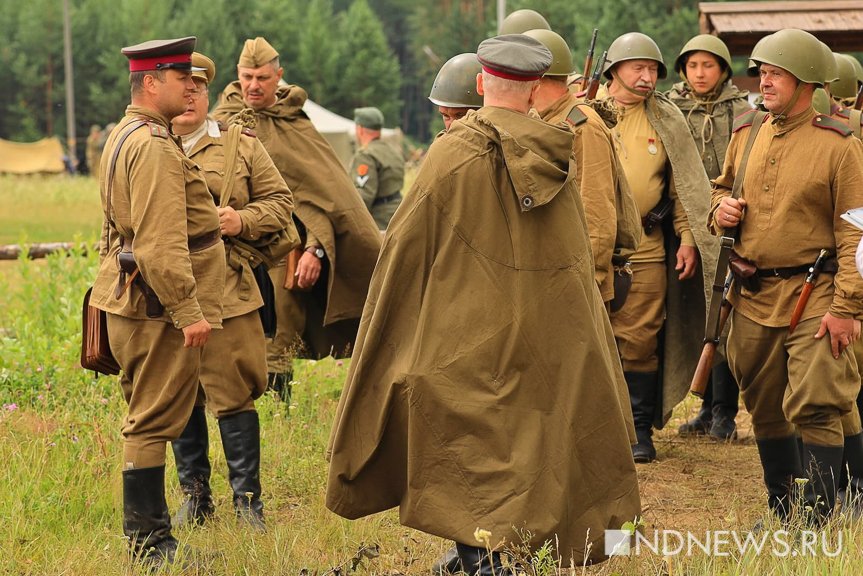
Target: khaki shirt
x,y
648,172
793,202
260,197
593,150
159,201
378,172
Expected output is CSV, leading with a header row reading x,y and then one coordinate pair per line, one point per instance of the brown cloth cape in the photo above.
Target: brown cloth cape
x,y
485,390
325,200
685,301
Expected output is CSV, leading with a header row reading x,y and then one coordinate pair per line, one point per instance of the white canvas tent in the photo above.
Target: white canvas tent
x,y
340,131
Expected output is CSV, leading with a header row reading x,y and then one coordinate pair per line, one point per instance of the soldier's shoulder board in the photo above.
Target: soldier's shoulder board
x,y
157,130
744,120
844,113
576,117
828,123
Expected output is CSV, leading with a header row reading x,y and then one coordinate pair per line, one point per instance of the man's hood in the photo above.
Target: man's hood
x,y
289,101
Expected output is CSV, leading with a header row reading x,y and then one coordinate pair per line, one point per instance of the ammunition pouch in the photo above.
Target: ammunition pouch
x,y
622,285
657,214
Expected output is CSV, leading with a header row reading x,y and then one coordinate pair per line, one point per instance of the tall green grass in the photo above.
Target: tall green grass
x,y
60,448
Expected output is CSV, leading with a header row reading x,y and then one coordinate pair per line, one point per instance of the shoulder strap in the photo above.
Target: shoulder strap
x,y
576,117
109,180
737,187
231,147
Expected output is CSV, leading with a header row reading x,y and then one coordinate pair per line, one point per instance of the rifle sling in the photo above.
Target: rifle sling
x,y
712,329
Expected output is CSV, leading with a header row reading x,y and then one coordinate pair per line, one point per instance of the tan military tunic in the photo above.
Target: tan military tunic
x,y
159,202
378,172
234,365
793,208
598,181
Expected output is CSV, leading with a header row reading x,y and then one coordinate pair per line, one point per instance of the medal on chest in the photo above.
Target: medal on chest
x,y
651,146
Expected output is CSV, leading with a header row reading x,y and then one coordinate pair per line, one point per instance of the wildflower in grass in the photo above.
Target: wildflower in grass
x,y
10,407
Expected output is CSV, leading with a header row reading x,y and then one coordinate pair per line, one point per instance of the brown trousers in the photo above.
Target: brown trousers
x,y
789,380
290,323
159,382
234,366
636,326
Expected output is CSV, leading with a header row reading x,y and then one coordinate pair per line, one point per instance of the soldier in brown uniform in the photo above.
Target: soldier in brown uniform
x,y
159,211
93,150
256,225
454,88
792,206
377,169
676,257
340,239
464,379
604,190
710,103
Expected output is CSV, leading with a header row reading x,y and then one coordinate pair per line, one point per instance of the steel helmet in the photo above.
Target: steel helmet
x,y
455,83
858,68
796,51
633,46
521,21
703,43
831,69
561,64
846,85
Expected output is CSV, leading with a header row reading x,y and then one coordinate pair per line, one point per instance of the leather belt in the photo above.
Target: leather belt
x,y
830,267
387,199
204,241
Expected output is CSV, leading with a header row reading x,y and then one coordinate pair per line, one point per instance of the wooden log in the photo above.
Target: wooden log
x,y
41,249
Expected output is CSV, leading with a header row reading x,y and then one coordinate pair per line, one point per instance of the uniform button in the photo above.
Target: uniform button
x,y
527,201
766,187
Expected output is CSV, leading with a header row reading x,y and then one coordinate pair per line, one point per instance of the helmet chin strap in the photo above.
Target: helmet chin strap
x,y
783,115
630,89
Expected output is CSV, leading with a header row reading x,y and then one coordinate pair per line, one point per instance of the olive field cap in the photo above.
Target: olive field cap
x,y
633,46
257,52
846,85
369,117
561,64
703,43
161,54
797,51
455,83
205,69
514,57
521,21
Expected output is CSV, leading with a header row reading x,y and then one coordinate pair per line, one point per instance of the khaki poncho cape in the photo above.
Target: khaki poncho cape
x,y
325,200
485,389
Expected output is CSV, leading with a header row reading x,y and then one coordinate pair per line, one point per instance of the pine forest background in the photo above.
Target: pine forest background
x,y
345,53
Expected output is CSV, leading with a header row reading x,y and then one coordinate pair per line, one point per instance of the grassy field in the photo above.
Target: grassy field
x,y
60,506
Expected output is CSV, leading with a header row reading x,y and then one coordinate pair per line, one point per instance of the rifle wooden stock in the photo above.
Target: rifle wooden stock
x,y
858,101
595,78
698,386
588,61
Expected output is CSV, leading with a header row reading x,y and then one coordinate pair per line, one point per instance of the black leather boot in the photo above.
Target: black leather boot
x,y
851,487
448,564
241,439
700,425
822,465
725,403
146,522
642,396
780,460
193,470
478,561
281,383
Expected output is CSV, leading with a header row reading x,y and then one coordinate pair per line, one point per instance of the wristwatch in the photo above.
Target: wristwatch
x,y
316,250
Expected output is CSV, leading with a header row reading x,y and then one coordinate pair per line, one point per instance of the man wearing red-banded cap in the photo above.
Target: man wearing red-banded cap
x,y
484,391
160,280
